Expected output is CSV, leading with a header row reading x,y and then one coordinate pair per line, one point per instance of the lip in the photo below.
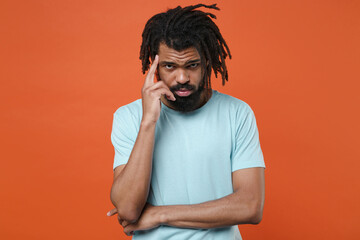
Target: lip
x,y
183,92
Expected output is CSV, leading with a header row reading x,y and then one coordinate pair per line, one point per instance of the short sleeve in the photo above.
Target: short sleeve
x,y
123,136
247,152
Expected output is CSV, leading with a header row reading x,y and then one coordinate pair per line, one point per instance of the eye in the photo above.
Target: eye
x,y
193,65
168,66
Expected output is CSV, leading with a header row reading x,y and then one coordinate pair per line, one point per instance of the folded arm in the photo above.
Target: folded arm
x,y
132,181
244,206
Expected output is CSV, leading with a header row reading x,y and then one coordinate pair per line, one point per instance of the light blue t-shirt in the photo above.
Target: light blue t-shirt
x,y
194,156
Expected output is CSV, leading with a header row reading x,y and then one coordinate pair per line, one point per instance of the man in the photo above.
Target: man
x,y
188,162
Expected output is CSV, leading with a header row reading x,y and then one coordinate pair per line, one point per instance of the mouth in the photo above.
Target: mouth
x,y
183,92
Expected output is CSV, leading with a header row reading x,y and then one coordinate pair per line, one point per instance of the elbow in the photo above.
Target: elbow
x,y
256,218
128,215
126,211
256,213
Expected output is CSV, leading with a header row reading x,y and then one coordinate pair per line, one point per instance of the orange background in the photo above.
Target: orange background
x,y
67,65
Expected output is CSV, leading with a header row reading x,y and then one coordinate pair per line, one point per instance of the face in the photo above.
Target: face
x,y
181,72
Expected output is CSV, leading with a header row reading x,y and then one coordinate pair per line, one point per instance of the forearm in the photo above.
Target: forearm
x,y
231,210
131,187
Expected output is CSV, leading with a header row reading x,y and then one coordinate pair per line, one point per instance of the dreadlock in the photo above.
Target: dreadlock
x,y
180,28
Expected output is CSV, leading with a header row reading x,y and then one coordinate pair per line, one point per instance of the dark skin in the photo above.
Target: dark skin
x,y
132,180
181,68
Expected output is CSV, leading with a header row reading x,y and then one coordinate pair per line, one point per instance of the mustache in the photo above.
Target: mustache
x,y
182,86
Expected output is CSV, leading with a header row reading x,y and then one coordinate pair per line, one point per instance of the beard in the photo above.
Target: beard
x,y
188,103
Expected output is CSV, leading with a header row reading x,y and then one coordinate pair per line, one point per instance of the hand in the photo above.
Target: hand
x,y
122,222
149,219
151,94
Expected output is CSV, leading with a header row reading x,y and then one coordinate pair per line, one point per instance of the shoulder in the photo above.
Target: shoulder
x,y
129,113
134,108
231,103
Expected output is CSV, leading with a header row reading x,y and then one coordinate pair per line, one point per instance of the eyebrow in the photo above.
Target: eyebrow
x,y
172,63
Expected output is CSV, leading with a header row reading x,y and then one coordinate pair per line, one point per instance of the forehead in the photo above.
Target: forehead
x,y
181,57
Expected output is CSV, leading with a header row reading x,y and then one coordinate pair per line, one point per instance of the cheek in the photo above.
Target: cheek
x,y
165,77
196,76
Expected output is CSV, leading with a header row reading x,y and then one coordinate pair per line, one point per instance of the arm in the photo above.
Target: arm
x,y
132,181
244,206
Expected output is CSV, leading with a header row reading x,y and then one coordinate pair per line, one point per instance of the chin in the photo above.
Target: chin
x,y
187,104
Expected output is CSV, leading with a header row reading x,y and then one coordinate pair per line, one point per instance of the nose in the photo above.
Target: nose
x,y
182,76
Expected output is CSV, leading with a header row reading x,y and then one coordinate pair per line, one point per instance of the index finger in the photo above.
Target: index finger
x,y
111,212
150,75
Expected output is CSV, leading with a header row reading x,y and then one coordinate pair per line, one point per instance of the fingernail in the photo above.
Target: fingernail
x,y
108,214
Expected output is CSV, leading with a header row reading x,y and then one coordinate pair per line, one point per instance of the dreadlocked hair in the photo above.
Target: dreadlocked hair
x,y
181,28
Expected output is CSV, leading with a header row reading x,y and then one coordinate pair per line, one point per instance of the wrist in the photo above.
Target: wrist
x,y
162,216
147,124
